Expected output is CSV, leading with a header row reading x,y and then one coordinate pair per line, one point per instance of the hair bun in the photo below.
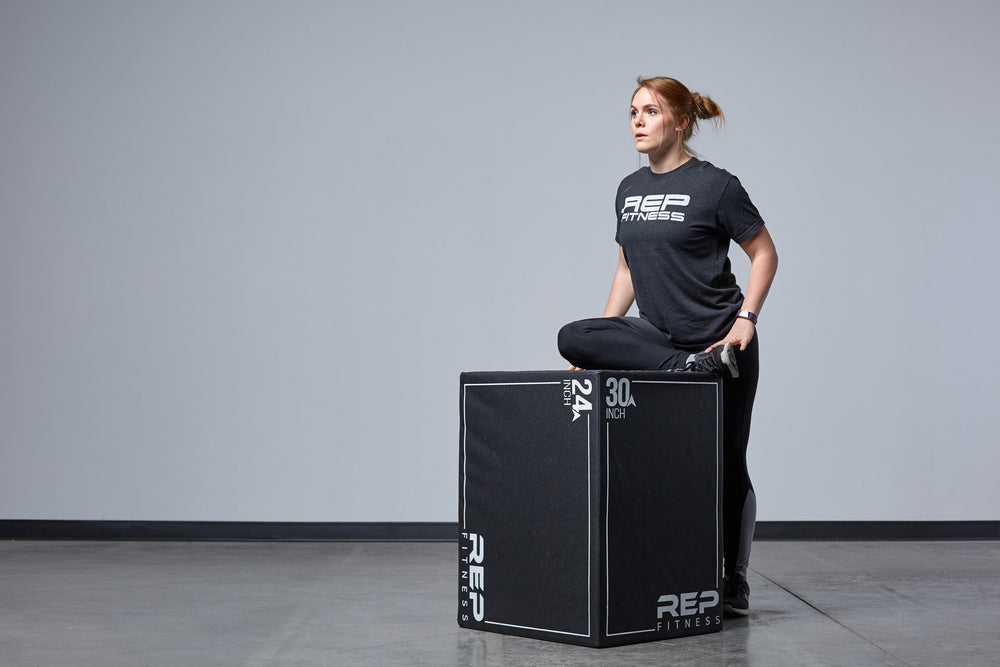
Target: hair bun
x,y
705,107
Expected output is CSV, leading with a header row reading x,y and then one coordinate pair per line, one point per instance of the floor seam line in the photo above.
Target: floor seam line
x,y
814,607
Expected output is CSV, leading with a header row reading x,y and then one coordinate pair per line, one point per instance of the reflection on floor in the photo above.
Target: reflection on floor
x,y
337,603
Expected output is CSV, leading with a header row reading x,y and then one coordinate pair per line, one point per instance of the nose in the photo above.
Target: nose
x,y
637,120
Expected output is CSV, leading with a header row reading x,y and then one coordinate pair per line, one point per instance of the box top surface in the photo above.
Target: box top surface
x,y
468,377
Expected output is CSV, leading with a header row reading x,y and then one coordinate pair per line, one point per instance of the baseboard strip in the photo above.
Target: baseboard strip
x,y
14,529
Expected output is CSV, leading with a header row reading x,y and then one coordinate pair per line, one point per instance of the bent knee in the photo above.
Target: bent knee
x,y
574,340
569,339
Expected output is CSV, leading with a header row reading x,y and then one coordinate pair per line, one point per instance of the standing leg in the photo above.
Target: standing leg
x,y
739,504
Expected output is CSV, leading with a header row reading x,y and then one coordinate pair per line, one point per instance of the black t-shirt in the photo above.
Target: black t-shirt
x,y
675,230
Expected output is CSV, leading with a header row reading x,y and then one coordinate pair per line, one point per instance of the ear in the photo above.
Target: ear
x,y
683,122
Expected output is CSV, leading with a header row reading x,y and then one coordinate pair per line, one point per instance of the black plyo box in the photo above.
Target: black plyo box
x,y
590,505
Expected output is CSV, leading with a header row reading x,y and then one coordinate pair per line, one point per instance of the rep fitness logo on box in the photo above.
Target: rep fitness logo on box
x,y
687,610
472,591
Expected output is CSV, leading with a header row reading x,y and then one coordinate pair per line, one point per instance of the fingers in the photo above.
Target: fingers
x,y
735,342
739,343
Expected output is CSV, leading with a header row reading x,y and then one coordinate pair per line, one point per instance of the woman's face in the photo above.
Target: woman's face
x,y
653,124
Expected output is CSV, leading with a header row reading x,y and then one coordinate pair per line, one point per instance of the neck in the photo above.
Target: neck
x,y
660,164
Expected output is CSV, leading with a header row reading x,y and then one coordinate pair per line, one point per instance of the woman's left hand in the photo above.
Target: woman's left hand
x,y
740,335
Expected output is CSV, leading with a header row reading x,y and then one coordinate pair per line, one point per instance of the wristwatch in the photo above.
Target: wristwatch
x,y
746,314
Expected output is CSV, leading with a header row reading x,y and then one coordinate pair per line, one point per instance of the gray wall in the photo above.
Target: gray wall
x,y
247,247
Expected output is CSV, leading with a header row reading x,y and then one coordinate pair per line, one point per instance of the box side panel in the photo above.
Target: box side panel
x,y
524,494
663,546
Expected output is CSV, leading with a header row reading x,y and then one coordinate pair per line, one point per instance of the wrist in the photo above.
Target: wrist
x,y
748,315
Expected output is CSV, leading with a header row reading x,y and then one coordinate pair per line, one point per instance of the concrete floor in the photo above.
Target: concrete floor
x,y
159,603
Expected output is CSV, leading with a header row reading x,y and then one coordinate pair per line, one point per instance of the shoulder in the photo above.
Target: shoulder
x,y
709,173
717,184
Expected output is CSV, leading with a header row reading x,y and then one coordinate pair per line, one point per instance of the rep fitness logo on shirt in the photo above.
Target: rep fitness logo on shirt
x,y
653,207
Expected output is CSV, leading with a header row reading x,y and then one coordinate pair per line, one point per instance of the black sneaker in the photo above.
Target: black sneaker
x,y
720,361
735,596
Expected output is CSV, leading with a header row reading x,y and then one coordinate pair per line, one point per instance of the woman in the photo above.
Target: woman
x,y
675,220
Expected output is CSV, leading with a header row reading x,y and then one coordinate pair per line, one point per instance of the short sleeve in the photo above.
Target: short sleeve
x,y
737,216
618,219
618,226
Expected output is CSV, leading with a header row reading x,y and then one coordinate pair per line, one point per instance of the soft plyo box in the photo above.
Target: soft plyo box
x,y
590,505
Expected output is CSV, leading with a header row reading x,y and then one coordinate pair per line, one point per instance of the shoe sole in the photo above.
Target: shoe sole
x,y
734,611
728,357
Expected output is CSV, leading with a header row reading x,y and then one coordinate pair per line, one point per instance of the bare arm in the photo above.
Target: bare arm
x,y
763,265
622,295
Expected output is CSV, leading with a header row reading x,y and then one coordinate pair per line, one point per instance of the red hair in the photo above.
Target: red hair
x,y
682,102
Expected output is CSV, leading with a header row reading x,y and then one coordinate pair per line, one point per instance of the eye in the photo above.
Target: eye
x,y
652,112
632,113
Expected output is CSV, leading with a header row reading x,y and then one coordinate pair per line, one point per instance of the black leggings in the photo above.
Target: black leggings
x,y
632,343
